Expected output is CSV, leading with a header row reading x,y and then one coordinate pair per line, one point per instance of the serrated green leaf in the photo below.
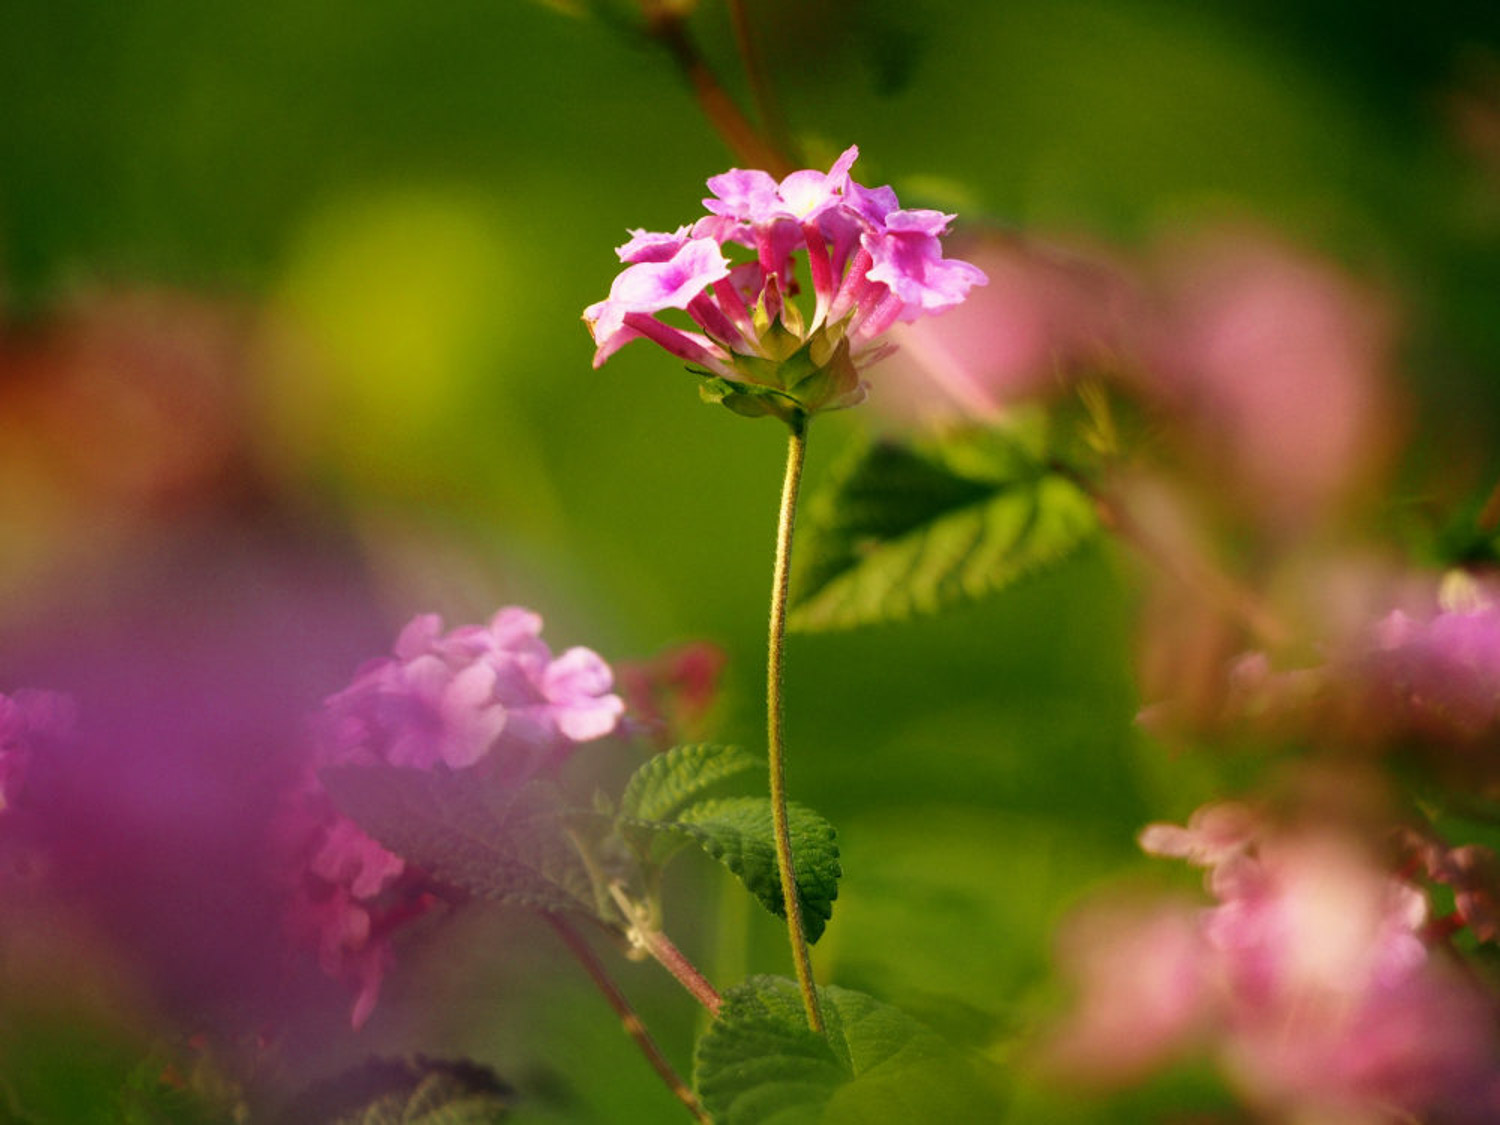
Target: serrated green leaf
x,y
406,1092
505,845
738,832
672,780
907,529
759,1064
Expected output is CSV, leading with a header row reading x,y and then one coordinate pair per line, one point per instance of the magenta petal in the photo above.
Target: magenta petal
x,y
418,636
579,671
932,223
653,286
650,246
872,205
839,173
910,263
513,625
741,194
590,719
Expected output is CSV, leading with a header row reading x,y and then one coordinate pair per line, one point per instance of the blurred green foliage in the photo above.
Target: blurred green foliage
x,y
426,197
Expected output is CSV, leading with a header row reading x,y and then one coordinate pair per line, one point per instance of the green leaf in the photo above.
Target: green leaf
x,y
913,529
670,781
737,831
759,1064
406,1092
505,845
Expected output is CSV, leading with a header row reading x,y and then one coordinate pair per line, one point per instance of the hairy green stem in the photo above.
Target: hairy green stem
x,y
775,709
628,1018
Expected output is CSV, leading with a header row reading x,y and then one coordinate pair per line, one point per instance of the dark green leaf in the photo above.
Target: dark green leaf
x,y
737,831
913,529
406,1092
670,781
504,845
759,1064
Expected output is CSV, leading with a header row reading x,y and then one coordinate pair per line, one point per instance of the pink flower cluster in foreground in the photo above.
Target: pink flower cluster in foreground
x,y
479,692
1441,675
871,263
1310,982
490,698
26,718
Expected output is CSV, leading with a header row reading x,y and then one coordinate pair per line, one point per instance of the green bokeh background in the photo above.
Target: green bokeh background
x,y
430,194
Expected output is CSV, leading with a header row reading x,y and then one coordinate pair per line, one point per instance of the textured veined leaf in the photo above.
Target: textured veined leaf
x,y
416,1091
904,530
759,1064
738,832
507,846
672,780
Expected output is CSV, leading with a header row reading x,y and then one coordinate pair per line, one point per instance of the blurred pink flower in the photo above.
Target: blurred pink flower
x,y
1310,982
344,892
1142,996
671,697
1470,871
1048,314
1214,834
27,718
128,403
1441,675
1277,364
489,697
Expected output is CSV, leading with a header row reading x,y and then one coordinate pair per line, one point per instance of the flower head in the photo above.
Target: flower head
x,y
1310,980
1442,675
473,693
345,894
482,697
736,271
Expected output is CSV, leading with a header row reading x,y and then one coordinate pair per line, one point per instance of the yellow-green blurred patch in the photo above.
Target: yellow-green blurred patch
x,y
389,316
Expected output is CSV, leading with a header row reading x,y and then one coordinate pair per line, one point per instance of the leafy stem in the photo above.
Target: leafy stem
x,y
775,714
628,1017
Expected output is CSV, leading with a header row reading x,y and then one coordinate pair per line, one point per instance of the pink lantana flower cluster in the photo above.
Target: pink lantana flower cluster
x,y
488,698
736,270
1311,982
346,894
27,718
491,694
1441,675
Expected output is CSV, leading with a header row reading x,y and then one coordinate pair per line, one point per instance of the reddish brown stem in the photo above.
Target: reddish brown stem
x,y
1217,587
762,93
745,141
1489,515
628,1018
656,943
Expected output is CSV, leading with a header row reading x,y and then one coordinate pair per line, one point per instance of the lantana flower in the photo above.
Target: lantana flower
x,y
1311,981
1441,675
735,272
479,692
488,698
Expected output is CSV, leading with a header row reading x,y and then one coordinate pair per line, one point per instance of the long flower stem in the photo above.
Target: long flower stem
x,y
628,1018
775,709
